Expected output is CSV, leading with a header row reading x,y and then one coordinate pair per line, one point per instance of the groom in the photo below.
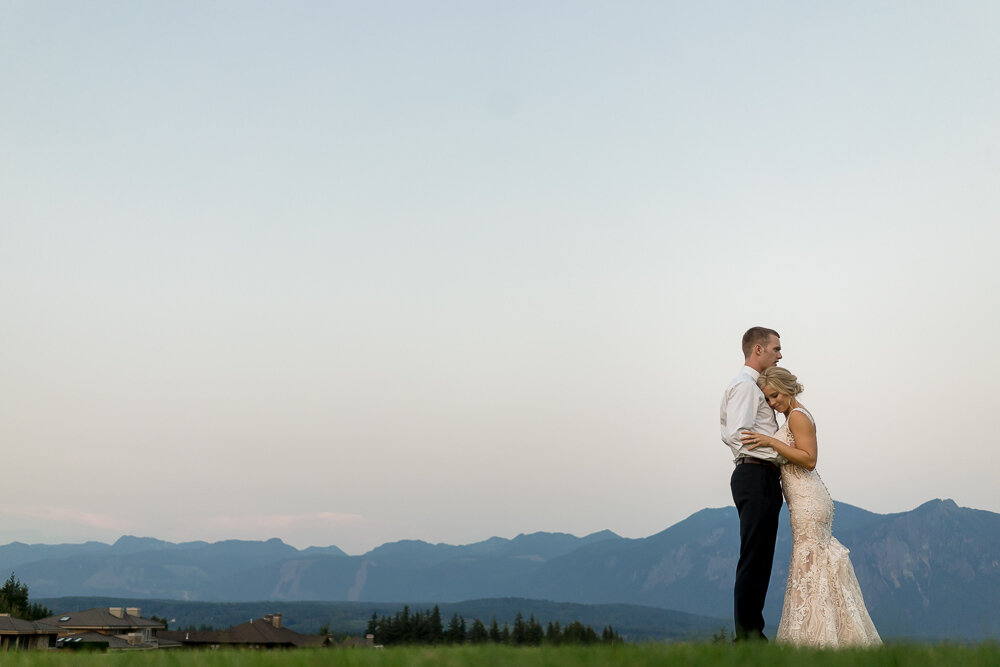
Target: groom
x,y
756,481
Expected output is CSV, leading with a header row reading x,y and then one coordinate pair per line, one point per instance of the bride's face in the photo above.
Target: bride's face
x,y
778,401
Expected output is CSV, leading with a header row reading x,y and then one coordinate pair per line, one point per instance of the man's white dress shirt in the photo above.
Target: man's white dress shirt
x,y
744,408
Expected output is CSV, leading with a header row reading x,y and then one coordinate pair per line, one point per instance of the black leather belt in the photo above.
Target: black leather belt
x,y
756,461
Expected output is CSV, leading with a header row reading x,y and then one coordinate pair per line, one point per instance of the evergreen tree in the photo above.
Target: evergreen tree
x,y
577,633
478,634
455,634
494,632
553,633
14,601
419,629
434,626
518,635
533,632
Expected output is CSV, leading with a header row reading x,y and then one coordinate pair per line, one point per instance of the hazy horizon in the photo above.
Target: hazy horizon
x,y
302,547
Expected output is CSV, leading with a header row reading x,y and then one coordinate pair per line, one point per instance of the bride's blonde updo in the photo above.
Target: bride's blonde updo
x,y
780,379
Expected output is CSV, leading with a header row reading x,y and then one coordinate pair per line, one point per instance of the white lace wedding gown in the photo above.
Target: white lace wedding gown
x,y
823,602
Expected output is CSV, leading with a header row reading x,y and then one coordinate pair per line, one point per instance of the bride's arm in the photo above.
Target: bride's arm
x,y
803,453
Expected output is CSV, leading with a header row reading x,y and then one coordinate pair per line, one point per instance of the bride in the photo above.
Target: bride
x,y
823,602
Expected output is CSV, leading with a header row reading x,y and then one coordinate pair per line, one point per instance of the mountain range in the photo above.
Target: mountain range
x,y
931,572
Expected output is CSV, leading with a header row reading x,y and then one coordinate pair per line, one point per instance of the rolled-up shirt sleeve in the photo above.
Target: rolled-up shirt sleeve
x,y
739,410
744,409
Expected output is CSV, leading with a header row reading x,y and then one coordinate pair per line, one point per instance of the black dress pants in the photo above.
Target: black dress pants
x,y
757,494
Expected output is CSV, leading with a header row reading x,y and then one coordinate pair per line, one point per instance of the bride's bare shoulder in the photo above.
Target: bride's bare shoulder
x,y
801,418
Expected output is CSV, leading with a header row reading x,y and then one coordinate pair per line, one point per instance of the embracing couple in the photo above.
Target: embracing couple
x,y
823,603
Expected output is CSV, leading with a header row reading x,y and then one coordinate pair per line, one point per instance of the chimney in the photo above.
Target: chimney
x,y
132,611
115,611
276,620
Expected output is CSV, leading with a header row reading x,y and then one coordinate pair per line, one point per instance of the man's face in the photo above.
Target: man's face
x,y
771,354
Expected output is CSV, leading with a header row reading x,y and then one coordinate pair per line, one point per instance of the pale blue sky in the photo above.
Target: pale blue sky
x,y
346,273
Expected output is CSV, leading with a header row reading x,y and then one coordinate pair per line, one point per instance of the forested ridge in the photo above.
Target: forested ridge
x,y
426,628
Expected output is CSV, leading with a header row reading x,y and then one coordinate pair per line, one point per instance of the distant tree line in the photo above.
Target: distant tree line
x,y
426,628
204,627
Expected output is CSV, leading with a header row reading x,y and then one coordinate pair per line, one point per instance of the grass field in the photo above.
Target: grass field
x,y
638,655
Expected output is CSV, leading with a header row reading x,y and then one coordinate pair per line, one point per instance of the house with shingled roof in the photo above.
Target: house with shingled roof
x,y
112,627
18,635
262,633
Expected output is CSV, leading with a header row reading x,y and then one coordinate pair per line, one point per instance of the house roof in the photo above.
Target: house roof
x,y
100,617
16,626
164,642
113,642
254,632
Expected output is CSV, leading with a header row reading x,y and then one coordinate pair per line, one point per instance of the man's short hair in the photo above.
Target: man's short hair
x,y
757,336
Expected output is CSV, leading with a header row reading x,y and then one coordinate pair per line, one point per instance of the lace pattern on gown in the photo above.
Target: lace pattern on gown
x,y
823,602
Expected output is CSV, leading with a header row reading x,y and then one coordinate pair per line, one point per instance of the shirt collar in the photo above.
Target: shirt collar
x,y
751,372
